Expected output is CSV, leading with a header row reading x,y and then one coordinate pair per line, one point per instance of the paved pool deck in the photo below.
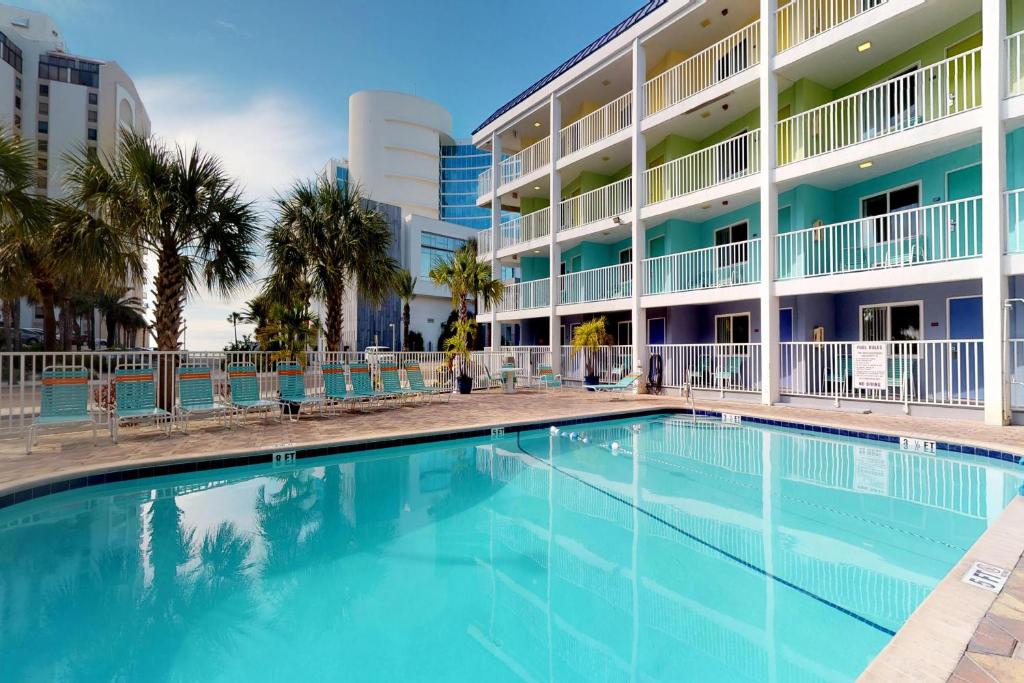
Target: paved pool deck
x,y
959,633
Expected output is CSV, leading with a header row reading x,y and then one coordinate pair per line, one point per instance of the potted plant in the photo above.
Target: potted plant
x,y
589,338
459,353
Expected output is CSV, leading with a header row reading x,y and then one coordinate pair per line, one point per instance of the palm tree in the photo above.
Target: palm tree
x,y
405,288
257,312
234,318
326,239
121,311
178,206
467,278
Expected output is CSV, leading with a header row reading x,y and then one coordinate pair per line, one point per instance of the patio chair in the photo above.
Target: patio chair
x,y
245,391
838,375
135,399
697,377
291,387
415,378
547,378
335,388
64,401
728,368
362,385
195,396
392,384
623,385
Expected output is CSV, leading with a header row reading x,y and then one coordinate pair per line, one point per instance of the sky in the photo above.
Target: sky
x,y
265,84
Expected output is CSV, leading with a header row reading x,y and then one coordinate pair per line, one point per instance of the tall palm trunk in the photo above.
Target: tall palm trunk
x,y
335,321
47,300
9,305
111,325
405,326
67,319
169,288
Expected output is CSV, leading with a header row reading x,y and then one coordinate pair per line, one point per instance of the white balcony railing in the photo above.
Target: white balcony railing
x,y
1015,221
597,284
1015,64
522,296
525,228
722,266
718,367
608,120
483,241
609,364
941,372
483,183
604,202
801,20
525,162
934,92
731,159
928,234
726,58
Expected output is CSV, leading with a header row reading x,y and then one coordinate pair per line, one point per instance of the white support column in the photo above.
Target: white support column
x,y
769,97
639,165
495,232
993,184
554,250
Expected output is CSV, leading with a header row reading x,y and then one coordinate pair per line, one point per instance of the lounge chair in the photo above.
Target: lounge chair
x,y
415,378
623,385
135,399
335,387
195,396
245,391
65,401
547,378
291,385
392,383
362,385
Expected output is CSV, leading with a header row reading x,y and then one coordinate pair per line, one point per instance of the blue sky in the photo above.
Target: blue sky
x,y
265,84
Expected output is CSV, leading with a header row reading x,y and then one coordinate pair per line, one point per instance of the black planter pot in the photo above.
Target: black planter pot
x,y
591,380
291,408
465,384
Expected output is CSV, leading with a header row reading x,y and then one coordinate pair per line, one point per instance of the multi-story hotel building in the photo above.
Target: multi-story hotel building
x,y
750,190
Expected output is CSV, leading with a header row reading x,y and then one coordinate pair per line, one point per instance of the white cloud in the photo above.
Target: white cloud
x,y
267,140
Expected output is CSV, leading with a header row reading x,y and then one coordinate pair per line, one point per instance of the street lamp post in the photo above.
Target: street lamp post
x,y
392,326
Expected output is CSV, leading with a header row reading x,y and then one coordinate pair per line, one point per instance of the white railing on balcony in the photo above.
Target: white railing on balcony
x,y
1015,221
610,200
609,364
722,266
522,296
607,121
718,367
928,234
1015,358
941,372
525,162
801,20
934,92
731,159
724,59
1015,64
597,284
525,228
483,241
483,183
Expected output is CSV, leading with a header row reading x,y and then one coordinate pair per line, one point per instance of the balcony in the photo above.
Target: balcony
x,y
598,284
732,159
1015,64
723,60
1015,221
727,265
801,20
525,229
931,234
483,241
923,96
597,205
524,296
610,119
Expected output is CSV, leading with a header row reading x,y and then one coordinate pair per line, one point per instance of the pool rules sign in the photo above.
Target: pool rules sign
x,y
870,365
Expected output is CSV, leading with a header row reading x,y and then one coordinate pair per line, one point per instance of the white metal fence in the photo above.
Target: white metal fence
x,y
607,121
717,367
483,241
597,284
525,162
1015,64
731,55
521,296
928,234
483,183
940,372
731,159
21,373
738,263
1015,221
525,228
609,364
801,20
604,202
924,95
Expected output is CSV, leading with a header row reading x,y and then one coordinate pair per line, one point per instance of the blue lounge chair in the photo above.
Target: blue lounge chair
x,y
392,384
623,385
336,391
65,401
291,385
245,391
414,375
195,396
362,385
135,399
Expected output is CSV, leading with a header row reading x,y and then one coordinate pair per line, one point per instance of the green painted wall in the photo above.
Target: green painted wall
x,y
584,182
530,204
1014,16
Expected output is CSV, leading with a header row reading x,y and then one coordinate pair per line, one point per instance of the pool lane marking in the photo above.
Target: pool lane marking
x,y
709,545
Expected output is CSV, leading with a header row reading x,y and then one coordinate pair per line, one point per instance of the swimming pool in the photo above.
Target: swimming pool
x,y
655,548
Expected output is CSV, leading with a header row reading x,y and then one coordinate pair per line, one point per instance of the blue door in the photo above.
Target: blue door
x,y
656,331
785,325
966,368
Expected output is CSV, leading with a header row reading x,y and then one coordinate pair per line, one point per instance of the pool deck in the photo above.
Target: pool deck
x,y
959,633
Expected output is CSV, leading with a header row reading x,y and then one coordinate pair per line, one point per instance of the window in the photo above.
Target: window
x,y
17,83
885,228
891,322
44,89
94,98
626,255
44,127
44,109
17,102
17,119
624,333
43,145
41,164
733,328
92,116
434,249
92,134
733,234
60,67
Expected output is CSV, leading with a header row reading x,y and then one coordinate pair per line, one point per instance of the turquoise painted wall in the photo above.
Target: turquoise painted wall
x,y
534,267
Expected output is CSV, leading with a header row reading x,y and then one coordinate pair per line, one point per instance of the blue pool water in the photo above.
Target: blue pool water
x,y
696,552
